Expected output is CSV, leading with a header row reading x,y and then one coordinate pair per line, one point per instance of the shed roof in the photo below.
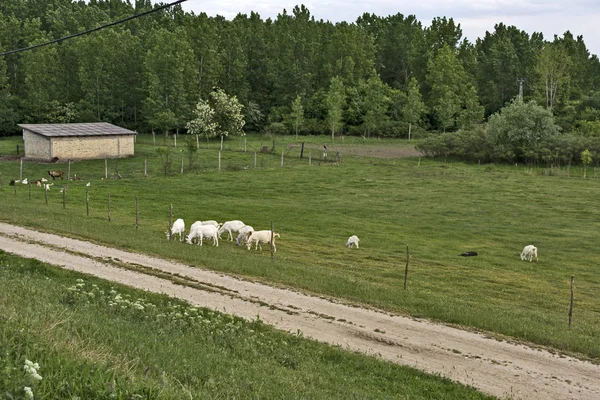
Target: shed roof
x,y
81,129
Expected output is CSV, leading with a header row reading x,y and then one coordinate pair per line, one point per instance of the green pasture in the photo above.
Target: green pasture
x,y
92,339
438,208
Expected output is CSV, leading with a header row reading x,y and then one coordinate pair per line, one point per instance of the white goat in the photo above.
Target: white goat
x,y
243,235
231,226
178,228
352,241
204,231
211,222
529,252
259,237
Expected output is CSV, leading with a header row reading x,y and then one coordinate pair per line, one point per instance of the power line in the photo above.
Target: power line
x,y
93,29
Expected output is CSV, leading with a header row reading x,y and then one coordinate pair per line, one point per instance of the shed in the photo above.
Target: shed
x,y
77,141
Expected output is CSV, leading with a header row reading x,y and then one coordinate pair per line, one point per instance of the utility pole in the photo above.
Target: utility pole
x,y
521,80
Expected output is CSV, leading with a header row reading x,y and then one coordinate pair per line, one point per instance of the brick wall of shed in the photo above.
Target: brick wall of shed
x,y
87,147
36,146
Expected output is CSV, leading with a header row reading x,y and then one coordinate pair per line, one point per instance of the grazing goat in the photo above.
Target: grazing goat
x,y
231,226
201,232
529,252
55,174
258,237
352,241
178,228
243,235
211,222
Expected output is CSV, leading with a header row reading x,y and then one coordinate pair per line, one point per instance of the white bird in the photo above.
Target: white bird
x,y
88,184
24,181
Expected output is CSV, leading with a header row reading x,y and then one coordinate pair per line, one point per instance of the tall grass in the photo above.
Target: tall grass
x,y
439,209
92,339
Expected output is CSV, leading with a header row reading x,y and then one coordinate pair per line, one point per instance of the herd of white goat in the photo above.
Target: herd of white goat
x,y
247,236
200,230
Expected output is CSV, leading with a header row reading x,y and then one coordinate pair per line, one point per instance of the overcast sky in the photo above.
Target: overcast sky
x,y
551,17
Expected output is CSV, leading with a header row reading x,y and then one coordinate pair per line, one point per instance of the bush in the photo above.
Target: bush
x,y
519,128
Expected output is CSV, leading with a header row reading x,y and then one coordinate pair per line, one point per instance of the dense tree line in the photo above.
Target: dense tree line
x,y
384,76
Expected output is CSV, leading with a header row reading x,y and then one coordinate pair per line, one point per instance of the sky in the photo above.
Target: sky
x,y
550,17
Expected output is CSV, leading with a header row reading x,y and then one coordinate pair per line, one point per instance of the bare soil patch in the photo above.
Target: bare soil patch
x,y
500,368
375,151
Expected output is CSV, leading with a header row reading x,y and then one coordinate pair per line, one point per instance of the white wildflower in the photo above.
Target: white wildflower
x,y
28,392
31,368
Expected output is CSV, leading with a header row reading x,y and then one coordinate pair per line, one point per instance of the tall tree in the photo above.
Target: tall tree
x,y
40,68
376,103
554,72
335,101
415,107
446,78
170,74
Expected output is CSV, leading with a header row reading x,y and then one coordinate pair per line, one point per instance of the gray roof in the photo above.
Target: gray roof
x,y
85,129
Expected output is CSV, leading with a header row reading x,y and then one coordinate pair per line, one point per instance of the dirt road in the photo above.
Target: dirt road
x,y
496,367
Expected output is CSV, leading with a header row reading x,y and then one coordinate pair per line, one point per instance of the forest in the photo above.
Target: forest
x,y
385,76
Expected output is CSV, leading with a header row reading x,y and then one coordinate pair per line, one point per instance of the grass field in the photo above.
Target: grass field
x,y
439,209
92,339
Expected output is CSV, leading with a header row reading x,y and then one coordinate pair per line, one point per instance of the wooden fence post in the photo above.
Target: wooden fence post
x,y
108,207
302,150
145,168
309,158
282,157
21,170
254,159
87,203
197,142
170,220
153,138
221,143
105,168
175,140
137,213
272,248
182,164
64,193
29,184
219,160
244,144
45,193
69,171
406,268
572,297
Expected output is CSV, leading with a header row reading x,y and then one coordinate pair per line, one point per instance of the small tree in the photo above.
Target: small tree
x,y
227,113
414,108
334,101
203,124
586,160
297,115
166,157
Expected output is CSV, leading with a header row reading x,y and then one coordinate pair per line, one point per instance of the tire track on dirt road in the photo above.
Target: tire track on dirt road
x,y
496,367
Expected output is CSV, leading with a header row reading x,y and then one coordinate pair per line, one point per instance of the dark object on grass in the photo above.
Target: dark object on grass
x,y
469,254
